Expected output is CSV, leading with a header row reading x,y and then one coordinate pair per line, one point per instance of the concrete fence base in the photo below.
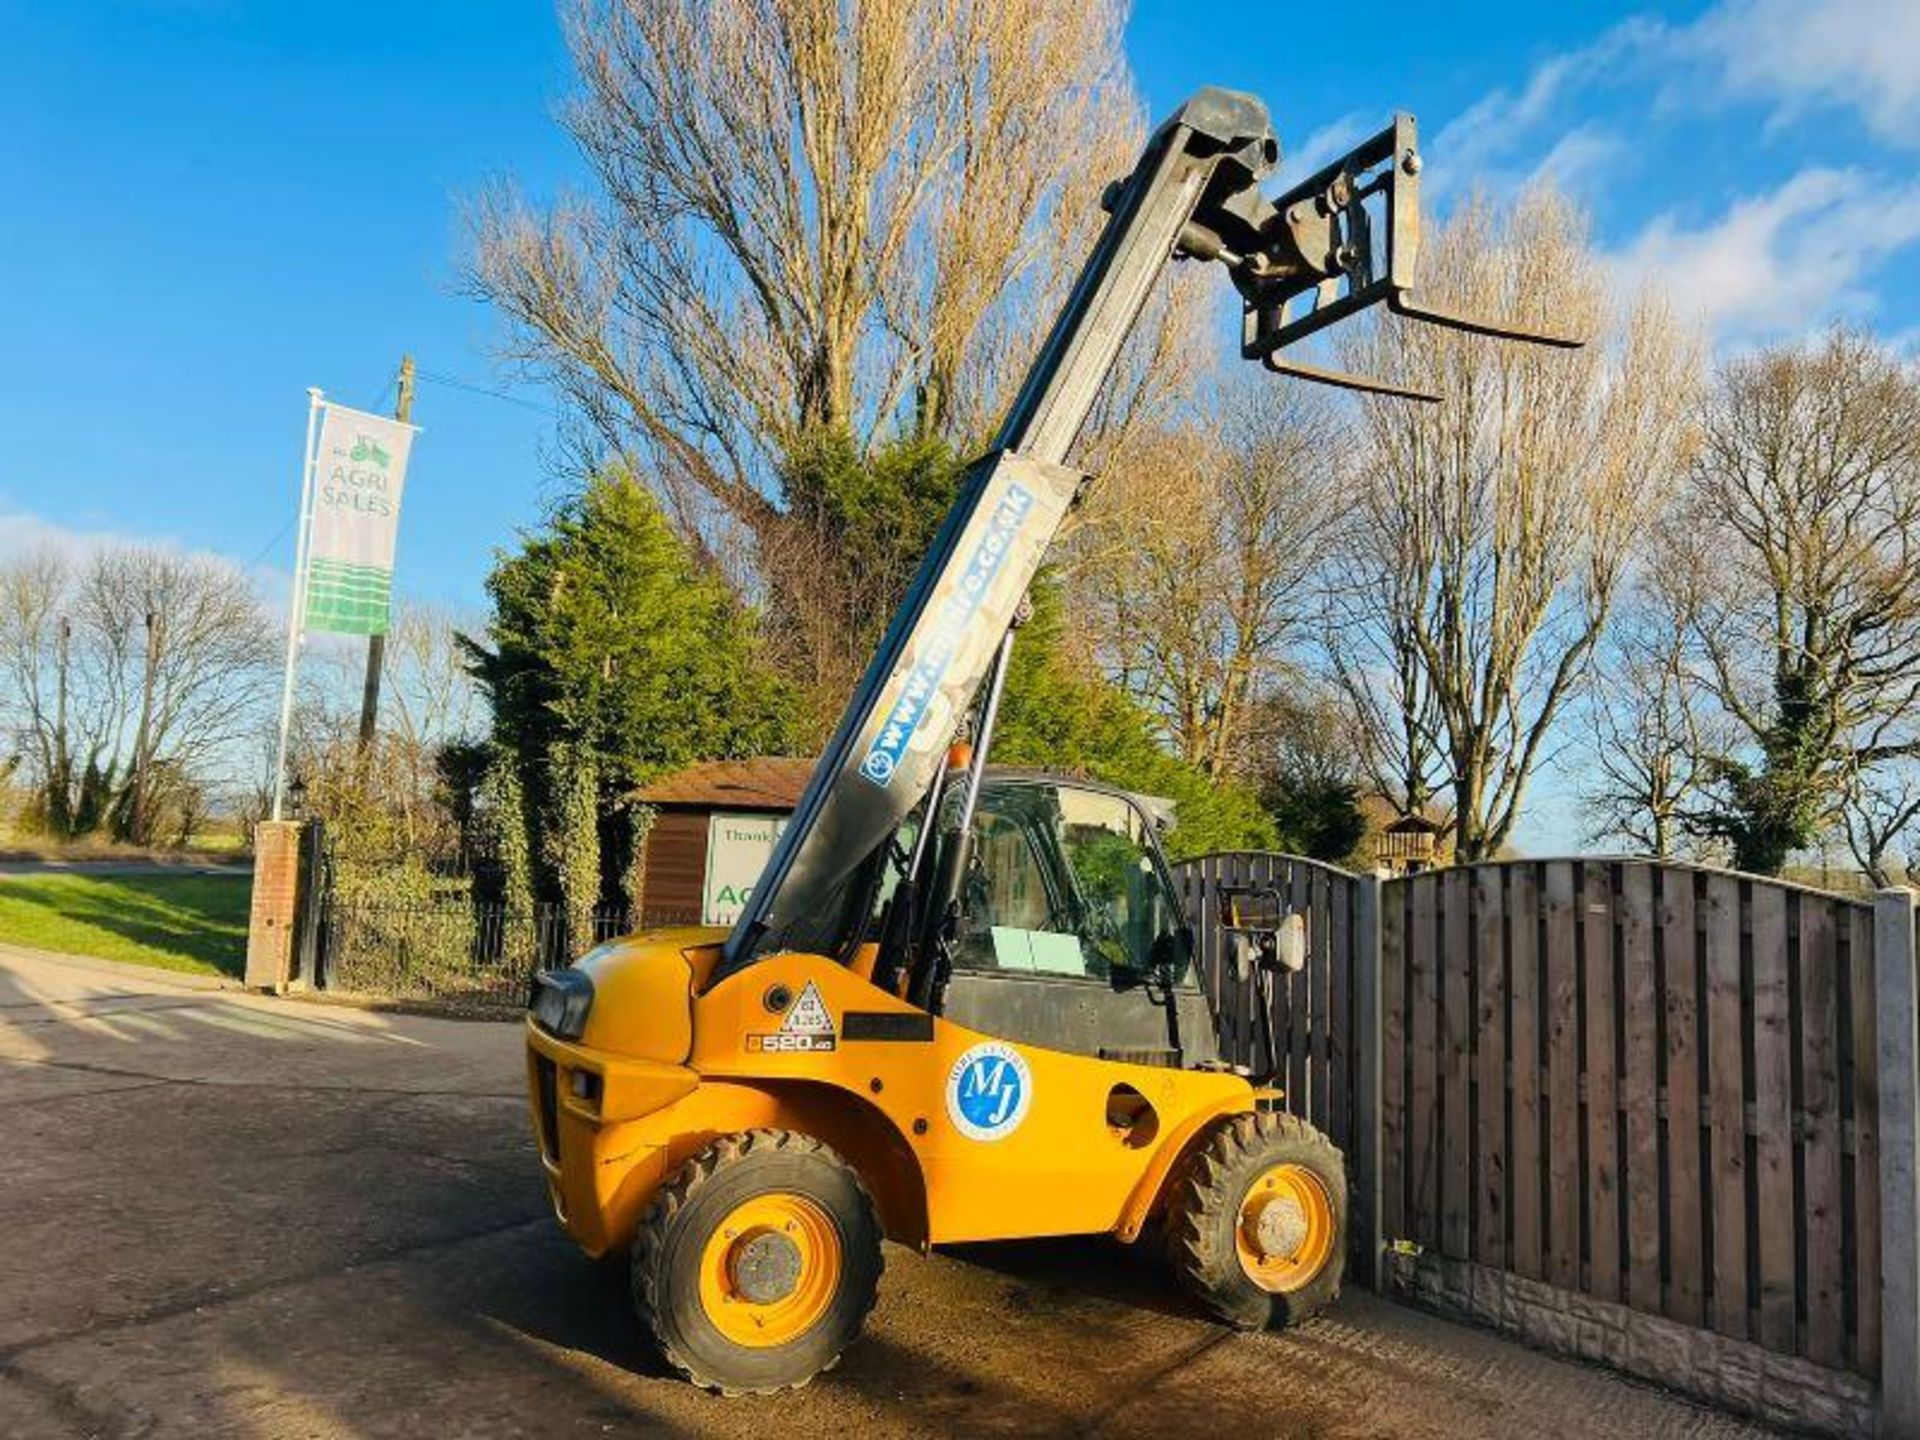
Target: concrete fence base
x,y
1732,1374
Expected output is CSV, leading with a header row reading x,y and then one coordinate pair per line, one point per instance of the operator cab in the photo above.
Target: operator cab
x,y
1071,934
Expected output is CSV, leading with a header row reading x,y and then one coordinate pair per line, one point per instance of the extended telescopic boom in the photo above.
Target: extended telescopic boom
x,y
1193,194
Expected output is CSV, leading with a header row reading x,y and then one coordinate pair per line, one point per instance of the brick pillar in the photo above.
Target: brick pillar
x,y
276,904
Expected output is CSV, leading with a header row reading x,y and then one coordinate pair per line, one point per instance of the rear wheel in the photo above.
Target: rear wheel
x,y
1256,1225
757,1262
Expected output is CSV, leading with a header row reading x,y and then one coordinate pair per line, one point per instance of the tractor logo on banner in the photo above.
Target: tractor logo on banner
x,y
988,1091
806,1030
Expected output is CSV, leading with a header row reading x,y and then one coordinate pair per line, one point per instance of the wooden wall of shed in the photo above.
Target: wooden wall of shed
x,y
676,868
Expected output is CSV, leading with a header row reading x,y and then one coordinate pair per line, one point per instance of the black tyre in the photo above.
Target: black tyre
x,y
757,1262
1257,1222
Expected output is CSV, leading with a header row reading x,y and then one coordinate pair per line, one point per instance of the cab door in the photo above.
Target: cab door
x,y
1070,928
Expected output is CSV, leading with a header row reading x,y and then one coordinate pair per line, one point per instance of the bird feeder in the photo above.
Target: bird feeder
x,y
1406,847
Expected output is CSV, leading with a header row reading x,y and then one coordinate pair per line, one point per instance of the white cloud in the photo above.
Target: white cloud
x,y
1579,159
1775,261
1781,261
1862,54
23,533
1793,55
1479,144
1327,143
1499,121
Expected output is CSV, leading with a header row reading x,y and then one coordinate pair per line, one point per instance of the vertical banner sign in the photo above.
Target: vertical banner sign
x,y
360,468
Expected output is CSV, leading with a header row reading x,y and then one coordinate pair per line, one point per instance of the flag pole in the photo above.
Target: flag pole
x,y
297,599
377,644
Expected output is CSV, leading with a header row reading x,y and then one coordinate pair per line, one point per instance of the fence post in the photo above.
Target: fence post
x,y
1899,1026
1368,1043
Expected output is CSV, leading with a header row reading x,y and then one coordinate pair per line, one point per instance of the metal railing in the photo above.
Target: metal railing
x,y
458,949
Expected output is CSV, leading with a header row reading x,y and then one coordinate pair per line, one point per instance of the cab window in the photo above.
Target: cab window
x,y
1014,918
1064,882
1128,916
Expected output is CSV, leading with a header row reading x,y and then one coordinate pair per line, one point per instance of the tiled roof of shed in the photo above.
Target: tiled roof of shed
x,y
764,782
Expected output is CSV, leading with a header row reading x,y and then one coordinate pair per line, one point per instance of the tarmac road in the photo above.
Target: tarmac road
x,y
242,866
222,1214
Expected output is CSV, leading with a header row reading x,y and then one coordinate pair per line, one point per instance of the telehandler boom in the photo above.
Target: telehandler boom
x,y
960,1004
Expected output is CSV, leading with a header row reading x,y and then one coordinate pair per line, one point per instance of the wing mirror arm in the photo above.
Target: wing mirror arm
x,y
1256,954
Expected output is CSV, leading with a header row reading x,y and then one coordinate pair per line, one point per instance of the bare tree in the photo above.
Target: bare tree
x,y
430,698
431,703
1197,553
1877,810
185,652
60,740
132,673
1372,620
393,792
1650,723
813,219
811,214
1801,526
1502,519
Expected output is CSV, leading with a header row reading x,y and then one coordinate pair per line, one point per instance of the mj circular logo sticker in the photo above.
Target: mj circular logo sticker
x,y
988,1091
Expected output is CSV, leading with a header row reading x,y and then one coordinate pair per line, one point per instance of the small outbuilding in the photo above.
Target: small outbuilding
x,y
714,827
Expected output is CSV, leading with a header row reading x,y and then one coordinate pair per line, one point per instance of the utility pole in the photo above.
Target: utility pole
x,y
62,799
377,644
143,738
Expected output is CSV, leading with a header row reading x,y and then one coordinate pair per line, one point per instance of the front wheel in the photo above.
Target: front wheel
x,y
1257,1222
757,1262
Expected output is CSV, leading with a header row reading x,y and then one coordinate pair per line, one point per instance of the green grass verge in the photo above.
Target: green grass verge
x,y
196,923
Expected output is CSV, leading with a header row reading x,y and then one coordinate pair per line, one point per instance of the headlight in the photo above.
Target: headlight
x,y
561,999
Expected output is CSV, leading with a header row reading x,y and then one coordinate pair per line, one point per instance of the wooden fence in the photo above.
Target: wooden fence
x,y
1645,1083
1683,1093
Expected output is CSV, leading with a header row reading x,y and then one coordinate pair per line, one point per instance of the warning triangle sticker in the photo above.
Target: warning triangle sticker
x,y
809,1014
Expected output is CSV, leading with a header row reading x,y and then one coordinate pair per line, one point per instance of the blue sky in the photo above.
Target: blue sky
x,y
210,205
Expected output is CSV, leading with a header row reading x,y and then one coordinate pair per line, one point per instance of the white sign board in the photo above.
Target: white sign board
x,y
737,851
359,470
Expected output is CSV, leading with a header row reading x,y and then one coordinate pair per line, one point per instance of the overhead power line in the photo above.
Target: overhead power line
x,y
434,377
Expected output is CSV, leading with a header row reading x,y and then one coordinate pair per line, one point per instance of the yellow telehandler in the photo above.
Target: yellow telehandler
x,y
961,1003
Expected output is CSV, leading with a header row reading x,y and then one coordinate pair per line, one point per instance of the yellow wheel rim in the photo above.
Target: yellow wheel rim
x,y
770,1269
1286,1231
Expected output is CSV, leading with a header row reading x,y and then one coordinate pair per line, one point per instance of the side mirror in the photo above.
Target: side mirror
x,y
1290,944
1261,931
